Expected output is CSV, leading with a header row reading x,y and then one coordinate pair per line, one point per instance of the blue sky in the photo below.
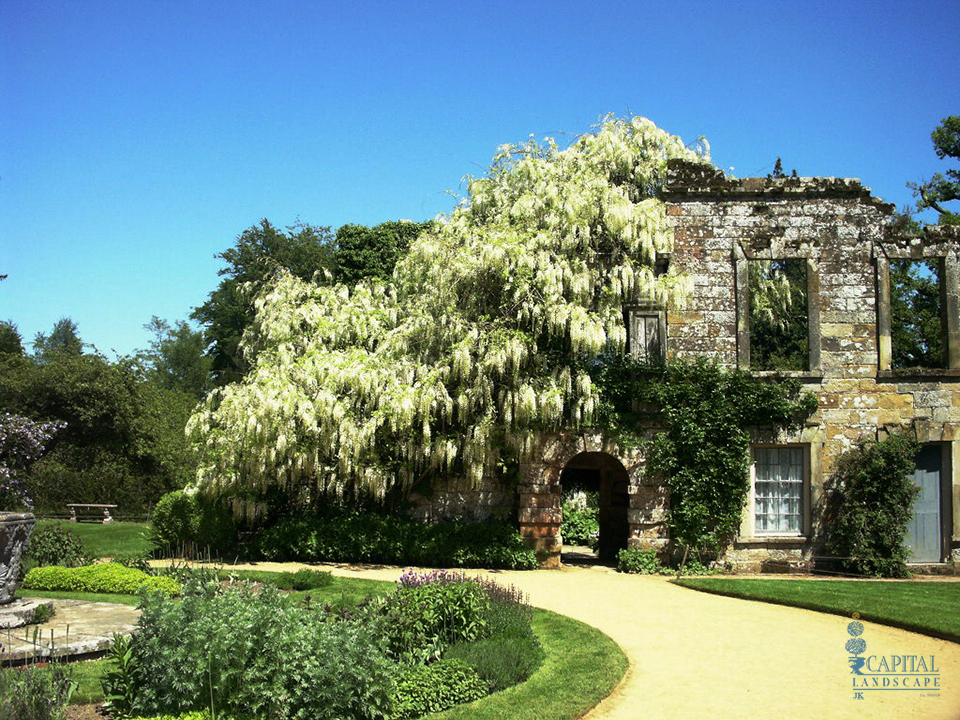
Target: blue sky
x,y
139,138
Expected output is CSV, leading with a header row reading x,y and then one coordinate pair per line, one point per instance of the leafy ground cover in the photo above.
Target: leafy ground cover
x,y
924,607
119,538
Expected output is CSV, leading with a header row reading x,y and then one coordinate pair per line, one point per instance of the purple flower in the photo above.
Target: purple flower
x,y
22,443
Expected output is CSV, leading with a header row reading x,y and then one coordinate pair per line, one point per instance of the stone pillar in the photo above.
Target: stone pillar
x,y
539,514
15,529
647,516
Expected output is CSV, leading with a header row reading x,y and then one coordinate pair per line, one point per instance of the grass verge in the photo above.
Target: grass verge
x,y
108,540
583,666
924,607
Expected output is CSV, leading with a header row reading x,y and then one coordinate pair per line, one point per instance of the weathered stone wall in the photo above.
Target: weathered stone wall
x,y
540,502
843,235
456,499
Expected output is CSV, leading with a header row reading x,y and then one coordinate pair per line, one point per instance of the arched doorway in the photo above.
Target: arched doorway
x,y
603,474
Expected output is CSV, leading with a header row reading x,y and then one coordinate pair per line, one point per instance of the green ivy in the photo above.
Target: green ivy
x,y
702,453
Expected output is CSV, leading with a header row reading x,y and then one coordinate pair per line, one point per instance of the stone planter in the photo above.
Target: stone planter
x,y
15,529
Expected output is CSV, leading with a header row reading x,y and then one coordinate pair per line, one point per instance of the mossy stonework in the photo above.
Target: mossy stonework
x,y
846,241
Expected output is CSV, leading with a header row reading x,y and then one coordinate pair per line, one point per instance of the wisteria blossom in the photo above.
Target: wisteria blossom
x,y
475,342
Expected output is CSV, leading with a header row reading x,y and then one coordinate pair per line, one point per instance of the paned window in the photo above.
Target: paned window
x,y
778,490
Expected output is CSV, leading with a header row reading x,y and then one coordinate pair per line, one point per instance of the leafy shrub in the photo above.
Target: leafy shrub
x,y
638,560
870,505
695,567
501,660
509,611
41,613
426,689
580,526
193,523
55,545
419,621
192,575
355,536
118,683
34,693
303,580
104,578
196,715
258,655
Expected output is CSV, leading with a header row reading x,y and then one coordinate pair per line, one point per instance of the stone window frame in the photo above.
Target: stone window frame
x,y
742,292
650,308
949,306
647,309
748,526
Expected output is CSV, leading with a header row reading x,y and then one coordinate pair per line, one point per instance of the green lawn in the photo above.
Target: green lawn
x,y
925,607
108,540
582,666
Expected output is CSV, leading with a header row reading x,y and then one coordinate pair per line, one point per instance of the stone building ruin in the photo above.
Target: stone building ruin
x,y
843,238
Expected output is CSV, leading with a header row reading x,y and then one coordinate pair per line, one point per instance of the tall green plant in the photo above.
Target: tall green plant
x,y
870,504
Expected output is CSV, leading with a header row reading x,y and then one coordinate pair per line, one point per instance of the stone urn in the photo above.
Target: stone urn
x,y
15,529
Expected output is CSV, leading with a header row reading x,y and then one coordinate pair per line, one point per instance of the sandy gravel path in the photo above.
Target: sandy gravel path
x,y
694,655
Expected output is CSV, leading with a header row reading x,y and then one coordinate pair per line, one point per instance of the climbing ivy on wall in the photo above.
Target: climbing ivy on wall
x,y
703,452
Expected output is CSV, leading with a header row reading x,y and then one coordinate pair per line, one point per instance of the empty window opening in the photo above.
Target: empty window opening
x,y
779,315
917,321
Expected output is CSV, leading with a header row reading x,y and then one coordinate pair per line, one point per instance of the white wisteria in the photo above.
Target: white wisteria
x,y
454,365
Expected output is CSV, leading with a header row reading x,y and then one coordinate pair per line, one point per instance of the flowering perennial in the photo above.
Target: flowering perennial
x,y
22,442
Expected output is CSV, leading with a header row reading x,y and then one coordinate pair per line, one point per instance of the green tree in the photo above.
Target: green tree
x,y
176,358
943,188
259,253
473,346
778,172
11,342
372,252
64,339
123,441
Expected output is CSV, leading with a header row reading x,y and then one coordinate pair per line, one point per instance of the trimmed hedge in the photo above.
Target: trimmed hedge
x,y
104,578
354,536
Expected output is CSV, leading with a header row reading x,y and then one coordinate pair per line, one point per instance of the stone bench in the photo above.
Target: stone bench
x,y
89,508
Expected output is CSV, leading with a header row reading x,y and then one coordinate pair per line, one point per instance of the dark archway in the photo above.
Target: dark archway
x,y
603,474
